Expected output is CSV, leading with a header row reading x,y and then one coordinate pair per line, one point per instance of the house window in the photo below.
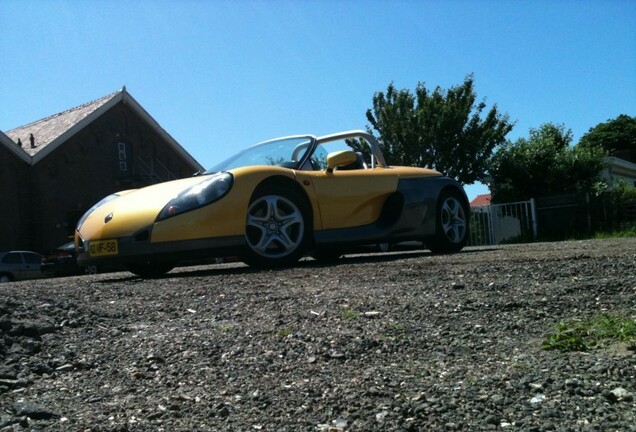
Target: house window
x,y
123,159
123,156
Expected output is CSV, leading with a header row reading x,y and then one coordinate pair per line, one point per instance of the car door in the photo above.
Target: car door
x,y
32,263
350,198
13,264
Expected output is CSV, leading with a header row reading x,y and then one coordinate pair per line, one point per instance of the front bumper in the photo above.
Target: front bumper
x,y
132,249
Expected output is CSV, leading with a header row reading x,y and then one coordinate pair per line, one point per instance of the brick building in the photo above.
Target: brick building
x,y
54,169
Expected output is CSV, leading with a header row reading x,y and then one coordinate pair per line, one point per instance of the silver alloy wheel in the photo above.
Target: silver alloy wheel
x,y
275,226
4,279
90,269
454,220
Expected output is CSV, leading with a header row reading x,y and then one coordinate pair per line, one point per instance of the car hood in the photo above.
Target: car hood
x,y
133,210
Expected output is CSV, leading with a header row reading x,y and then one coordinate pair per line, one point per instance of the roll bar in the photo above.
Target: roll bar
x,y
376,152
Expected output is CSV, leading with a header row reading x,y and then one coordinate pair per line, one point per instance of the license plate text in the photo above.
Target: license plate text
x,y
105,247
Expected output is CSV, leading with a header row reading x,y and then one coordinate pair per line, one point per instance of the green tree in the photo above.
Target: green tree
x,y
544,164
441,129
616,136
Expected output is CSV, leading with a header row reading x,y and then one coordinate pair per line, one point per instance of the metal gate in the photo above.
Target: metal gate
x,y
497,223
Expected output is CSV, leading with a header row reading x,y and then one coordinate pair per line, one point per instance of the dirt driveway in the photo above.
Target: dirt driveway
x,y
393,342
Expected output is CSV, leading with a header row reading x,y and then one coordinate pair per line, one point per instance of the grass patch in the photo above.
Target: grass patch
x,y
592,333
625,232
349,314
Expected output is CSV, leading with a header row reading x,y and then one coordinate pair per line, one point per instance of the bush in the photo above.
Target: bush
x,y
614,211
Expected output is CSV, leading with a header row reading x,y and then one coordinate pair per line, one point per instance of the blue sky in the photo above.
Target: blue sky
x,y
220,75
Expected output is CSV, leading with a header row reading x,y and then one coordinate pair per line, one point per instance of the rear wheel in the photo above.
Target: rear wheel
x,y
276,227
451,226
5,278
150,269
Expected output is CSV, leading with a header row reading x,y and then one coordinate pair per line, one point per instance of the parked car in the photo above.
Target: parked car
x,y
20,265
63,262
275,202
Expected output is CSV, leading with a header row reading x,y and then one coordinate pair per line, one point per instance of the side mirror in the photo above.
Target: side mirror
x,y
340,158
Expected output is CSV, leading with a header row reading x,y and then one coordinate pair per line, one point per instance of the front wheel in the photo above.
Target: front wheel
x,y
276,227
451,226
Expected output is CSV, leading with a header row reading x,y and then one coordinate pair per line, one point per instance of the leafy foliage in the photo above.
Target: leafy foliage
x,y
544,164
595,332
615,204
617,137
627,231
623,191
441,129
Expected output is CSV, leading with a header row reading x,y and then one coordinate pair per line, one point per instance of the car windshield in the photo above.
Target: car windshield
x,y
284,152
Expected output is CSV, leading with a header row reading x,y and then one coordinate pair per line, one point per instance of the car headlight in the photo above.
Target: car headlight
x,y
92,209
209,190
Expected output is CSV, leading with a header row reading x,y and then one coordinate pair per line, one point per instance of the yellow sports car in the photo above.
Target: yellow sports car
x,y
274,203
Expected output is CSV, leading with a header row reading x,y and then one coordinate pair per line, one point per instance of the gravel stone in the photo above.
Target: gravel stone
x,y
403,341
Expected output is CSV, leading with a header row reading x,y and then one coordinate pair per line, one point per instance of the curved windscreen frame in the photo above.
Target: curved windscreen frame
x,y
294,151
289,152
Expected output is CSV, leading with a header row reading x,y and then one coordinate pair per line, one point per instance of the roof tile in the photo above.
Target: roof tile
x,y
481,200
48,129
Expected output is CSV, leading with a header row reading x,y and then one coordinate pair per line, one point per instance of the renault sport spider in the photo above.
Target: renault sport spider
x,y
274,203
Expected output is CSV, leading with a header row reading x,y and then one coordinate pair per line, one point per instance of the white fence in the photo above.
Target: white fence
x,y
497,223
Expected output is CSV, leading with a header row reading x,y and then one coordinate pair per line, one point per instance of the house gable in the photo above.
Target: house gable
x,y
78,157
43,136
53,131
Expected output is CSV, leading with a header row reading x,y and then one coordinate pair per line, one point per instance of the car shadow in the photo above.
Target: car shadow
x,y
387,257
239,268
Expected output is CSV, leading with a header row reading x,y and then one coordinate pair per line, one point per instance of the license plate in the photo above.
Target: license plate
x,y
104,247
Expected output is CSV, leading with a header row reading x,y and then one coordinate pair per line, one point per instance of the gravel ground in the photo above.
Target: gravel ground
x,y
406,341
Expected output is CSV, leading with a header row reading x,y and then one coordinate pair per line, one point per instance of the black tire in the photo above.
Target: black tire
x,y
276,227
5,278
451,224
150,269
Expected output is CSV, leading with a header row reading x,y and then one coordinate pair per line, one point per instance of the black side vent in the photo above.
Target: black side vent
x,y
392,209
